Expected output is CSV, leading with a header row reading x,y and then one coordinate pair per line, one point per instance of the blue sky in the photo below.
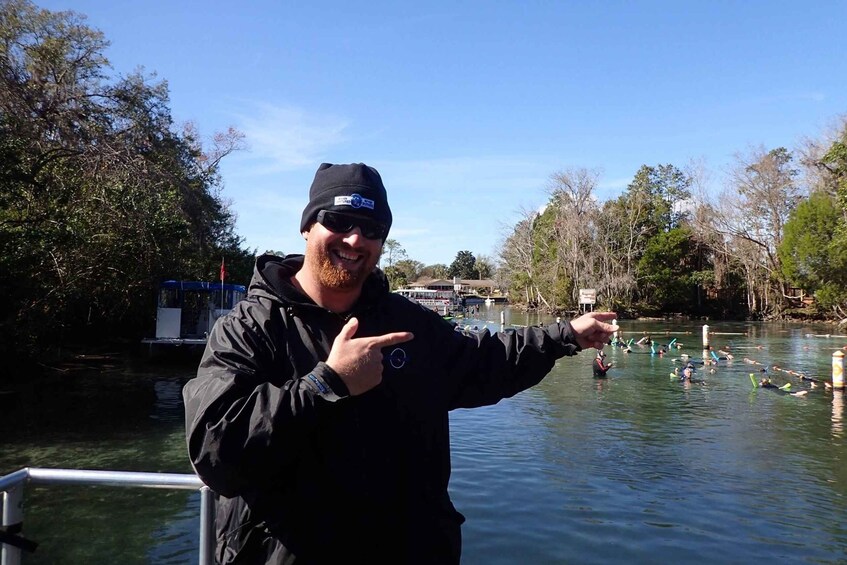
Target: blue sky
x,y
467,108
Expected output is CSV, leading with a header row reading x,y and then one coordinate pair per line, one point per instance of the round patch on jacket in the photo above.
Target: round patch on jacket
x,y
398,358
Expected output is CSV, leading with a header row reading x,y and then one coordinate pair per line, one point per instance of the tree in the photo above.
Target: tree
x,y
811,256
664,273
410,268
483,267
463,265
516,257
572,201
396,277
614,256
138,200
392,252
437,271
665,188
403,272
748,219
834,164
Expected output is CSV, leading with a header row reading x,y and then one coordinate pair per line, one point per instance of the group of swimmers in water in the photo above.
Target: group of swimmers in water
x,y
645,342
687,372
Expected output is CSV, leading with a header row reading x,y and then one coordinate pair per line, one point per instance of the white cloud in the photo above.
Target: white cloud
x,y
283,138
493,173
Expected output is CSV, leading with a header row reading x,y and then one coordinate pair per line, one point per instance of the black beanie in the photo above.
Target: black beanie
x,y
353,189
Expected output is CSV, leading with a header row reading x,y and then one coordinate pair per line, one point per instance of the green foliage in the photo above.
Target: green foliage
x,y
831,296
659,191
520,282
398,268
703,278
410,268
835,160
483,268
561,294
403,272
663,272
463,266
101,199
437,271
396,277
544,252
812,257
392,252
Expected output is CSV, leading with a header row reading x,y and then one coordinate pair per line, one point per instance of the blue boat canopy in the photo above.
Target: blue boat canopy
x,y
202,285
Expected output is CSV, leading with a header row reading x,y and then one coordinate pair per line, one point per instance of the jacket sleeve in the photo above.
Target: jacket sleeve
x,y
247,411
485,368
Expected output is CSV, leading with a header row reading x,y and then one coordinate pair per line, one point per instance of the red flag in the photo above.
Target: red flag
x,y
223,270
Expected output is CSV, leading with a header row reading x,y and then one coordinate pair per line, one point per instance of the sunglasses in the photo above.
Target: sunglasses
x,y
342,223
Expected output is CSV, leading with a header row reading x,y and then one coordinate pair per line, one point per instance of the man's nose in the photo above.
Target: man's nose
x,y
354,235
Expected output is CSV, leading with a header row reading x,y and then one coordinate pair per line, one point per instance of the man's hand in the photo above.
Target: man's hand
x,y
358,361
591,329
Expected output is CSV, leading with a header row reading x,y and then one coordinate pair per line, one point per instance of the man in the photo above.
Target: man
x,y
599,365
319,413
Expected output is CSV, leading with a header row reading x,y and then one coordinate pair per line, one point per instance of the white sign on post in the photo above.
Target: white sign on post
x,y
588,296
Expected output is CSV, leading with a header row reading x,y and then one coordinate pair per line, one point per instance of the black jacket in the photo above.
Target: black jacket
x,y
304,471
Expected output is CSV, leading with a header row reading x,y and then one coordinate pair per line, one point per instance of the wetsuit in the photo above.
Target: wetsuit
x,y
599,367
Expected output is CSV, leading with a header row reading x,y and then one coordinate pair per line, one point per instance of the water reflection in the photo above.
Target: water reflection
x,y
599,383
838,413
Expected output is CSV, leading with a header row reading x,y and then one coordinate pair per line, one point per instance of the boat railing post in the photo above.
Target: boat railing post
x,y
207,526
13,517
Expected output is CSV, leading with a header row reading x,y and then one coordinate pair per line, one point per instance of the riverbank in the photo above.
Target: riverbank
x,y
791,315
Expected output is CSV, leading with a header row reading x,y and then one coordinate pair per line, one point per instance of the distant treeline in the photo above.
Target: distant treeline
x,y
101,198
771,244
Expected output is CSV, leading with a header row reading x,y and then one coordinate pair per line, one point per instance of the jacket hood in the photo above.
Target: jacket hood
x,y
272,280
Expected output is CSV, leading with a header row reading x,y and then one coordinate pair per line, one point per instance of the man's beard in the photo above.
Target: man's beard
x,y
337,277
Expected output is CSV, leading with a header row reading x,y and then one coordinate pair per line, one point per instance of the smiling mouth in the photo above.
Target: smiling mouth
x,y
346,258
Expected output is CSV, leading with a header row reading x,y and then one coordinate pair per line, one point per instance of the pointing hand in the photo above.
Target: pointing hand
x,y
591,329
358,361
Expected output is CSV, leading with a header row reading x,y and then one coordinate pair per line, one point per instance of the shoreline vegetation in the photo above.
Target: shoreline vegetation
x,y
142,201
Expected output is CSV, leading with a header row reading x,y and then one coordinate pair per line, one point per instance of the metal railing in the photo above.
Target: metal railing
x,y
12,490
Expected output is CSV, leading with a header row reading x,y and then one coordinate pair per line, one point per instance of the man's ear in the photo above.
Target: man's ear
x,y
305,232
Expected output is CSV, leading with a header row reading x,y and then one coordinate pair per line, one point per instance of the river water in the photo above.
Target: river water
x,y
634,468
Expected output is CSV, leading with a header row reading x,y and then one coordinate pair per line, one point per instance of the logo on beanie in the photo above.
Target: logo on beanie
x,y
354,200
